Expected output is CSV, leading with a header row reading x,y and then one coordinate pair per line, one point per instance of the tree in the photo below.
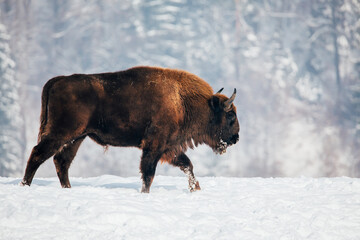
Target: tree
x,y
11,142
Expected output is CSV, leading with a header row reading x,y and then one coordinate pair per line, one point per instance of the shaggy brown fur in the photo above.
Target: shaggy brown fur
x,y
161,111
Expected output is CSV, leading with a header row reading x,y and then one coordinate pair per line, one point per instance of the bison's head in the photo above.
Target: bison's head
x,y
224,125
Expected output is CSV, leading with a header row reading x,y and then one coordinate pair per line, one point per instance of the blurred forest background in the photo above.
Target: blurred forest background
x,y
295,64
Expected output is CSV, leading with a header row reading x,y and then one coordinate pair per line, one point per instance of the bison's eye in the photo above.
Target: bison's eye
x,y
231,118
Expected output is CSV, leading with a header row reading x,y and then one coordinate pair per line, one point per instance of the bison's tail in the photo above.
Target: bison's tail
x,y
44,106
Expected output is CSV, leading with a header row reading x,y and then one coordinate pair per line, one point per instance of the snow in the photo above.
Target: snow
x,y
110,207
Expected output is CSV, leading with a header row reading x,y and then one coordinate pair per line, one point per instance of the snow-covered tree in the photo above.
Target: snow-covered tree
x,y
11,141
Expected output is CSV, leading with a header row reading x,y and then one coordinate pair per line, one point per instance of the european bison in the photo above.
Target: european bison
x,y
161,111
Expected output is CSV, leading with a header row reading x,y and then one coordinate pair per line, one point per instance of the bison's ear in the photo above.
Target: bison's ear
x,y
216,104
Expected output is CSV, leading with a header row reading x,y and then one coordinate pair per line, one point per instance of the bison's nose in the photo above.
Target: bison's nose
x,y
235,138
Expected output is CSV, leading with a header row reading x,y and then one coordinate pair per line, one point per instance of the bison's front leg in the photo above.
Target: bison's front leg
x,y
148,164
184,163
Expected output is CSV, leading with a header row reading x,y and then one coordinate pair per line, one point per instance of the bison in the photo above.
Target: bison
x,y
161,111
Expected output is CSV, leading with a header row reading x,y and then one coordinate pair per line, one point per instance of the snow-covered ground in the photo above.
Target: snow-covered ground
x,y
110,207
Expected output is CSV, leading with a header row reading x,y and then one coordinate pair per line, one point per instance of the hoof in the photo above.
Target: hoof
x,y
24,183
145,189
195,187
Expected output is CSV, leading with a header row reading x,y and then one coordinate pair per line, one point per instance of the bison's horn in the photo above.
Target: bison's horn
x,y
220,90
228,102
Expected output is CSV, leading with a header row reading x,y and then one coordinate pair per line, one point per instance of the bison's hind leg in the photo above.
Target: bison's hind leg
x,y
183,162
46,148
63,159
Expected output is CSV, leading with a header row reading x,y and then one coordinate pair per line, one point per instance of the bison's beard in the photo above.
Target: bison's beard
x,y
221,147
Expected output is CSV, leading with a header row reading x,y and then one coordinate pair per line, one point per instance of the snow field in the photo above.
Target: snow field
x,y
110,207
